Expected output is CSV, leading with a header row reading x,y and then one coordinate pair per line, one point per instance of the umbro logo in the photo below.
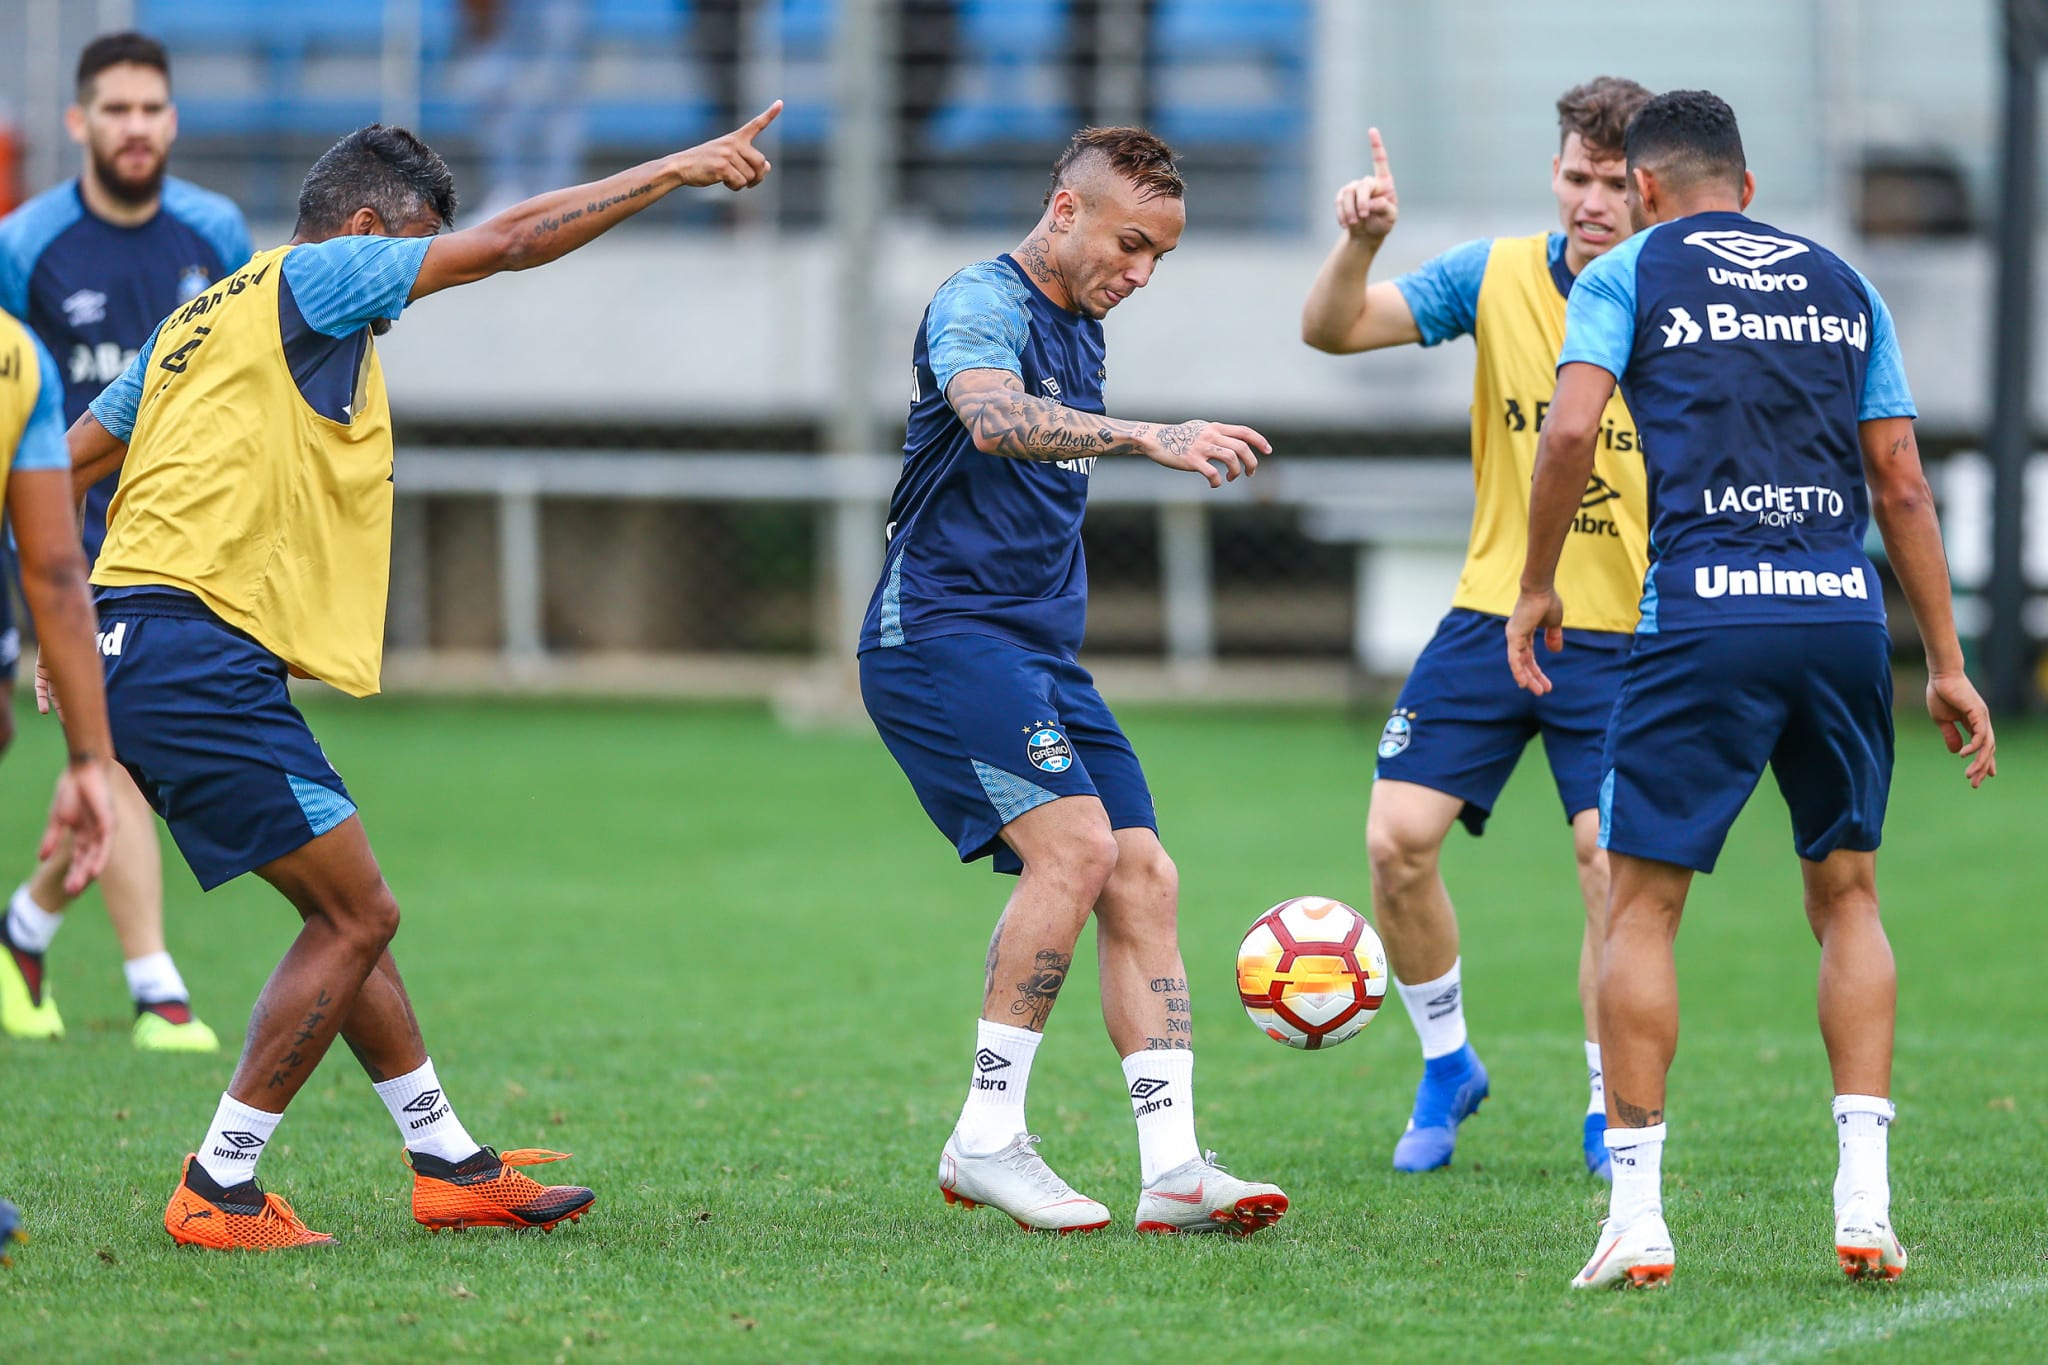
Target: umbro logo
x,y
1598,490
242,1140
85,307
424,1103
1443,1005
1050,385
1750,250
986,1060
1146,1088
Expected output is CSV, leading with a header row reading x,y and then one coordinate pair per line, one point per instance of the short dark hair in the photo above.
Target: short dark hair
x,y
1598,112
378,167
117,49
1687,135
1132,153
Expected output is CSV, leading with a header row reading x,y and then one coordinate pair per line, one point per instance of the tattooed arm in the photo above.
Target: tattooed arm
x,y
550,226
1005,420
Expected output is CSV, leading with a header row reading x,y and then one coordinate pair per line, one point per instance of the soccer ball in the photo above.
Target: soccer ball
x,y
1311,972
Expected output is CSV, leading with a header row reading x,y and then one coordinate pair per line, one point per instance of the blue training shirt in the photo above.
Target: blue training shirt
x,y
1749,357
93,291
332,291
988,544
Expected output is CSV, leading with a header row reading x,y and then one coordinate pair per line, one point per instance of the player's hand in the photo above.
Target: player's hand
x,y
1534,611
1368,208
1218,451
1953,702
732,161
46,696
84,808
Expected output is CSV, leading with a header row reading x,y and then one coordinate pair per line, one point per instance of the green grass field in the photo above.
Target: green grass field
x,y
734,971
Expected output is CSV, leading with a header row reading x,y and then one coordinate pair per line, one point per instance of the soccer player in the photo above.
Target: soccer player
x,y
35,493
91,266
967,666
1460,725
1766,378
250,540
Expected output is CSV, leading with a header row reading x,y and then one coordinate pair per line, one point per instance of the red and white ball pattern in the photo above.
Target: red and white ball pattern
x,y
1311,972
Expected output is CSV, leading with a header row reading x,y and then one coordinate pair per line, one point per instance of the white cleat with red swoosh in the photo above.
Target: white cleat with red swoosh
x,y
1200,1196
1638,1256
1016,1180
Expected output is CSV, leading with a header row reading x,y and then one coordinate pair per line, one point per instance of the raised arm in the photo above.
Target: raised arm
x,y
1005,420
53,584
1903,507
1564,463
549,226
1343,314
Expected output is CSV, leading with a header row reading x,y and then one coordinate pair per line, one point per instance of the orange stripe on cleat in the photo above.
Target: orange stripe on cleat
x,y
1649,1276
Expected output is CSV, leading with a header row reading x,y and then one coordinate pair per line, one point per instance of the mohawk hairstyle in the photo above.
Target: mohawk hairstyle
x,y
377,167
1136,155
1689,135
1598,112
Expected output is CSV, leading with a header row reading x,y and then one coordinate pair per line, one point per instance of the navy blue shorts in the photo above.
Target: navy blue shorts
x,y
203,720
1462,723
986,730
10,634
1702,711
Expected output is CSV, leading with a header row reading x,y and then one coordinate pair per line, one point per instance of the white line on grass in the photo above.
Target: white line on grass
x,y
1807,1342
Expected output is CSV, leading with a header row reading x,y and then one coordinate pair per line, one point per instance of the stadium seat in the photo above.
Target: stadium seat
x,y
805,29
1231,72
1008,85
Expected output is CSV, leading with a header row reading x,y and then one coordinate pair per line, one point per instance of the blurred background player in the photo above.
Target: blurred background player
x,y
204,613
92,265
1767,378
967,665
35,491
1461,724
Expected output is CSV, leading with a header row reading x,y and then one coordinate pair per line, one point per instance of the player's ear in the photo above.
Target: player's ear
x,y
1748,187
364,222
74,123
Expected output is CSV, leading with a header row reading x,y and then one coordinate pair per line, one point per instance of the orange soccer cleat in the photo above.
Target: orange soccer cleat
x,y
241,1217
486,1192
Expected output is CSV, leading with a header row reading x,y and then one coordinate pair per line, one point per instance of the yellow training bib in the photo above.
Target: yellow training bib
x,y
1519,328
236,490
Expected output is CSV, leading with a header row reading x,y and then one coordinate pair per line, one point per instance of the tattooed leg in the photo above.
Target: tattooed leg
x,y
349,916
1639,987
1068,854
1144,984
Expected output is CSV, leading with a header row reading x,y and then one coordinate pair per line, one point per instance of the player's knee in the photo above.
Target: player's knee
x,y
1828,907
1148,884
1400,860
370,919
1089,860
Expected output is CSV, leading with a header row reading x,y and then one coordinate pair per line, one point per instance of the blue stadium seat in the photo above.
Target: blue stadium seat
x,y
807,28
1232,72
650,22
1009,85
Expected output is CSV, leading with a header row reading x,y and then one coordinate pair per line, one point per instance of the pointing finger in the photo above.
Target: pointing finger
x,y
753,126
1382,172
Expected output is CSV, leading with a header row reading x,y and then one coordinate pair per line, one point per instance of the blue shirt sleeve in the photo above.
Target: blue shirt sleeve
x,y
977,321
1443,292
1600,315
343,284
115,407
1884,384
42,443
212,216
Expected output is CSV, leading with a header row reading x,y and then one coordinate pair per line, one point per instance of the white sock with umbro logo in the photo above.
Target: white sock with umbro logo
x,y
235,1141
994,1112
426,1120
1162,1086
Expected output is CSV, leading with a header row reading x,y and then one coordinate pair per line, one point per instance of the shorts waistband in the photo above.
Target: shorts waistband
x,y
155,602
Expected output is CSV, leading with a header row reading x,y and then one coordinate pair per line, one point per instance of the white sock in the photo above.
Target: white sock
x,y
426,1120
154,980
1438,1011
1863,1123
994,1112
234,1142
1596,1081
29,926
1637,1156
1162,1083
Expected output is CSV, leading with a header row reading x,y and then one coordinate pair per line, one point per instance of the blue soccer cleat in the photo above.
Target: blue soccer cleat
x,y
10,1230
1451,1090
1598,1164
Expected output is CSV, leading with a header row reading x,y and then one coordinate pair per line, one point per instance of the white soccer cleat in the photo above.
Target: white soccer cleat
x,y
1866,1244
1200,1196
1017,1181
1638,1256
